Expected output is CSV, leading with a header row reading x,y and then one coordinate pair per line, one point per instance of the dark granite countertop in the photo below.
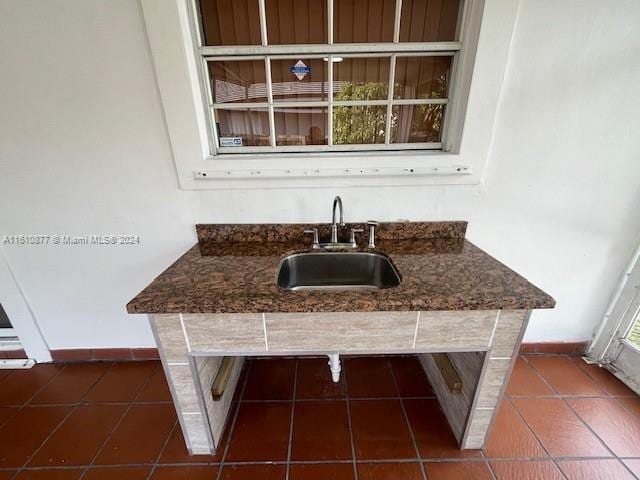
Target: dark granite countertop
x,y
233,269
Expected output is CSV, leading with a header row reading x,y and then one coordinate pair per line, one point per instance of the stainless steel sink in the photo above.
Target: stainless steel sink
x,y
337,270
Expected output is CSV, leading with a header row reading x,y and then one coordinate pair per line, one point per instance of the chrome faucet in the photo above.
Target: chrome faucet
x,y
337,202
334,244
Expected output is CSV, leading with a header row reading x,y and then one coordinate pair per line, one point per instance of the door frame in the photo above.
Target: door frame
x,y
609,347
23,320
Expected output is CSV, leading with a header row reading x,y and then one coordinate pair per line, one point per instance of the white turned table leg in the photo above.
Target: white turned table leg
x,y
334,364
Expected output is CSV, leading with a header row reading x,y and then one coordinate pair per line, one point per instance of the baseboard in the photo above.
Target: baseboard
x,y
564,348
95,354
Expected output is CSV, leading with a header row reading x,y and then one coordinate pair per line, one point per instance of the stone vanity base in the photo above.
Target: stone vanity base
x,y
482,346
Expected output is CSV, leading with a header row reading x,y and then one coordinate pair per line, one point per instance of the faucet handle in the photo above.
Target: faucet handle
x,y
372,224
352,238
314,232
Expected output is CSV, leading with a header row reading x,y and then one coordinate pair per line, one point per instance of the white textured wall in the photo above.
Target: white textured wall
x,y
83,149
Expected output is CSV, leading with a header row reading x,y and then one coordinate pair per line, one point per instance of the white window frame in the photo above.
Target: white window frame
x,y
610,346
180,71
266,52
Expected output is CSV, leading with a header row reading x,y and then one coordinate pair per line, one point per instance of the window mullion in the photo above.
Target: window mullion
x,y
263,22
396,23
330,100
392,74
330,74
330,22
419,48
272,122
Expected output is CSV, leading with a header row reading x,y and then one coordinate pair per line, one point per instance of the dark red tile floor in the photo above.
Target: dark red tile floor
x,y
562,419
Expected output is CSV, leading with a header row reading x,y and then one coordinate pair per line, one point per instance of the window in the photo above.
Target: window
x,y
327,75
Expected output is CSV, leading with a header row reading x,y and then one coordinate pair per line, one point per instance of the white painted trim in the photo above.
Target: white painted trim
x,y
297,173
462,71
325,49
9,343
603,336
396,22
24,321
272,121
399,53
17,364
7,332
172,46
392,76
325,103
330,99
330,22
263,22
306,149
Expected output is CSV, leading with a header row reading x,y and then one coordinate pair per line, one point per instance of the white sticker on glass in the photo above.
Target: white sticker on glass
x,y
300,69
230,141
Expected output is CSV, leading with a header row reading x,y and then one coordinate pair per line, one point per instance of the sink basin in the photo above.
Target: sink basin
x,y
337,271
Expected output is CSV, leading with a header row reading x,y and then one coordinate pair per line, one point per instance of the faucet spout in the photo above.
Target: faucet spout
x,y
337,202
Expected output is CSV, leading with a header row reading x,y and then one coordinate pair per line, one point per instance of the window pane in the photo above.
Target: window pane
x,y
238,81
243,128
361,79
299,79
634,333
363,21
422,77
429,20
416,123
359,125
301,126
230,22
296,21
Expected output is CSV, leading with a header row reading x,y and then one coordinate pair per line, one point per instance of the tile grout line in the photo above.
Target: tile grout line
x,y
625,407
329,462
293,411
553,389
162,449
563,400
561,396
27,402
115,427
535,435
588,427
627,467
406,419
332,399
490,468
232,426
72,408
101,404
610,395
349,422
